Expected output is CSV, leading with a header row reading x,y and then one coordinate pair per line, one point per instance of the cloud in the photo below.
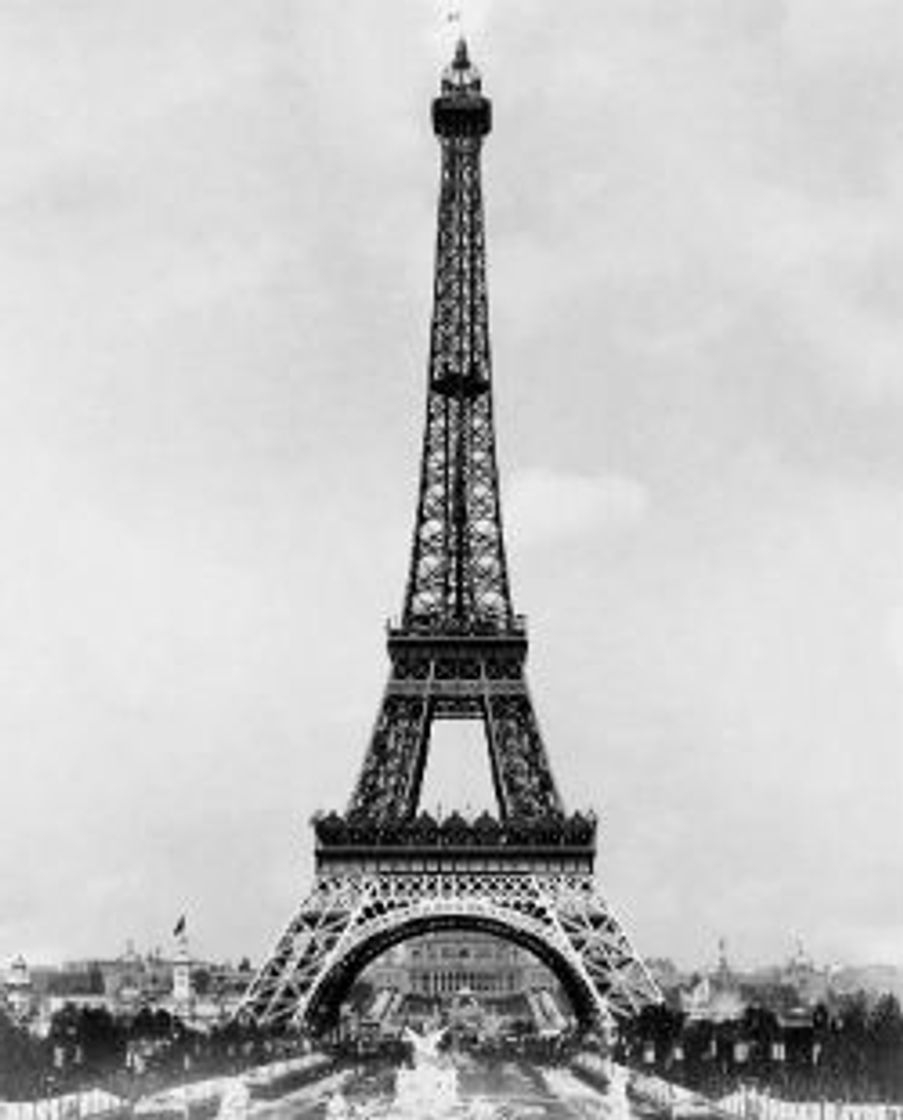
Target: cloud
x,y
868,32
696,189
546,506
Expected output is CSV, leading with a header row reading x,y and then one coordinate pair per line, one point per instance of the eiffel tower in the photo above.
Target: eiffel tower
x,y
386,871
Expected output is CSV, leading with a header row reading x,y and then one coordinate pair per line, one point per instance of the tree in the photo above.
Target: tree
x,y
19,1059
143,1025
361,995
100,1038
885,1046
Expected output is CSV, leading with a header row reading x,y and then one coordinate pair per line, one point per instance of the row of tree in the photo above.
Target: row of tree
x,y
853,1051
90,1046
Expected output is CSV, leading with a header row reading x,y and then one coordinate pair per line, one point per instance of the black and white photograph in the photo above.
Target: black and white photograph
x,y
451,559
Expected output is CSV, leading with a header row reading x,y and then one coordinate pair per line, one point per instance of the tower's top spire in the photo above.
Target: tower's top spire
x,y
461,109
461,76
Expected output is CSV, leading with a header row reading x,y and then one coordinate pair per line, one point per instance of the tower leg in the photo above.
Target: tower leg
x,y
389,780
283,984
525,778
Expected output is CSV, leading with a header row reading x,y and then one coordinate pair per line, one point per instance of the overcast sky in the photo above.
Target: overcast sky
x,y
216,234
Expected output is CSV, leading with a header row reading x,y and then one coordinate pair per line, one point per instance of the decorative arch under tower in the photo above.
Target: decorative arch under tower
x,y
386,870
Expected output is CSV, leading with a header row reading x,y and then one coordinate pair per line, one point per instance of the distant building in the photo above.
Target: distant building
x,y
182,993
812,985
199,992
446,963
390,970
18,989
715,997
666,974
125,984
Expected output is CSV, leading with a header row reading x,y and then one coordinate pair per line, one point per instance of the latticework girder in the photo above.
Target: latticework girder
x,y
458,576
460,649
474,678
348,920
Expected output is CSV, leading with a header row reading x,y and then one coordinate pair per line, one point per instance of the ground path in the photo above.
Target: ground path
x,y
501,1090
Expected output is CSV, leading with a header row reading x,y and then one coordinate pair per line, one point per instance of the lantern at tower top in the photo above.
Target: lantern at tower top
x,y
461,109
461,76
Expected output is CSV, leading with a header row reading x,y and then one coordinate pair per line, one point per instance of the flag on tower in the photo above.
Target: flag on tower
x,y
180,927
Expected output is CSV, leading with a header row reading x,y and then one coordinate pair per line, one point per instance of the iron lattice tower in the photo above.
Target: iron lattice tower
x,y
386,871
460,649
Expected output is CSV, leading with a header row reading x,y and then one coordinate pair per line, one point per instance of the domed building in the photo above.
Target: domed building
x,y
716,997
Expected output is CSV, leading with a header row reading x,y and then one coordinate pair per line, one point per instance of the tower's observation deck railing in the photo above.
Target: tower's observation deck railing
x,y
429,626
469,636
564,843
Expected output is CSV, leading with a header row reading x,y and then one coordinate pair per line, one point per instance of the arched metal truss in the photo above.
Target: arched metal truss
x,y
349,920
